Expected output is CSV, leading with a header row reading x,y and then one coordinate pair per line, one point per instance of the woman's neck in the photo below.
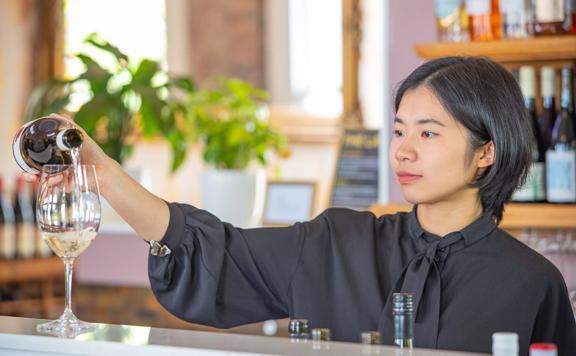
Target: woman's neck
x,y
444,217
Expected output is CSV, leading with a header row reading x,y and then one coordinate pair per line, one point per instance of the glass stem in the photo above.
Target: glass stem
x,y
68,263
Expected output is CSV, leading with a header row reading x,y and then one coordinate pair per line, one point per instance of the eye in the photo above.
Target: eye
x,y
398,133
428,134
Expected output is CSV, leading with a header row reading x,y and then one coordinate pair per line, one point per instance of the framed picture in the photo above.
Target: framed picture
x,y
288,202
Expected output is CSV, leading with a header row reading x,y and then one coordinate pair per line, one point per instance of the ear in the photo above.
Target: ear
x,y
487,155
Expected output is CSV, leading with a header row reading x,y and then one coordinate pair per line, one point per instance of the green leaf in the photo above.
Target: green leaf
x,y
95,40
96,76
91,113
145,72
150,112
183,83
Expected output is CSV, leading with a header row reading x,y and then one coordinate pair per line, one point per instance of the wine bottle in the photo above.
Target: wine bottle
x,y
24,218
548,114
7,226
534,189
48,140
516,18
451,20
495,19
41,247
480,20
561,157
571,16
549,16
403,313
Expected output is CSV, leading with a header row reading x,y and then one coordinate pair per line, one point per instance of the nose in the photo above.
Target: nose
x,y
405,151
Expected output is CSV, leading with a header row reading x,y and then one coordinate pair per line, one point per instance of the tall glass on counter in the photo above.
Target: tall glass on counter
x,y
68,216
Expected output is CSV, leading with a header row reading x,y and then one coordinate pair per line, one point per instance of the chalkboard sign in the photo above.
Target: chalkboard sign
x,y
356,179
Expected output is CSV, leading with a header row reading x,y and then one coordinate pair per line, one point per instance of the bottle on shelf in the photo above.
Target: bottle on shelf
x,y
40,246
7,226
548,113
571,16
516,16
484,20
495,19
543,349
403,312
549,17
505,344
451,20
47,140
561,157
24,218
534,189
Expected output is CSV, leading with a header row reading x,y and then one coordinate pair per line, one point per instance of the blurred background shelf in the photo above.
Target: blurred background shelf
x,y
29,286
22,270
516,216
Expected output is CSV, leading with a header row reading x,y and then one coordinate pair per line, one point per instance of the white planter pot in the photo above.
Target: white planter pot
x,y
234,196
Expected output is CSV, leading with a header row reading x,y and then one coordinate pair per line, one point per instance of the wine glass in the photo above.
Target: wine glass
x,y
68,211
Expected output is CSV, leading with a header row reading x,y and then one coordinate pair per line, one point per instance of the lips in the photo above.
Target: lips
x,y
407,177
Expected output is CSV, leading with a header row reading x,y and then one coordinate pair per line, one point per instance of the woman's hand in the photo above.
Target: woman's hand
x,y
90,153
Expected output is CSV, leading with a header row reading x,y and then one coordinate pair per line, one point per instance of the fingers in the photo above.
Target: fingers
x,y
61,116
29,177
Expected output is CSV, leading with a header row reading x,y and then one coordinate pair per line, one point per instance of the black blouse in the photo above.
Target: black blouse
x,y
340,269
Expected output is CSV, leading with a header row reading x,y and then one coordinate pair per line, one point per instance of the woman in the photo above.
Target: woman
x,y
461,146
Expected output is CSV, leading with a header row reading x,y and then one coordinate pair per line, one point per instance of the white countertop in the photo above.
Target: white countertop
x,y
18,336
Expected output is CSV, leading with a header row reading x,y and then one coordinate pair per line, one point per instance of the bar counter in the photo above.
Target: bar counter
x,y
18,336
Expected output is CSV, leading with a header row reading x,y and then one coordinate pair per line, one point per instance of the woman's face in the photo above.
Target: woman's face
x,y
428,151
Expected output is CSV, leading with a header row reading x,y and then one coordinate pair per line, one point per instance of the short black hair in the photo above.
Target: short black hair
x,y
486,99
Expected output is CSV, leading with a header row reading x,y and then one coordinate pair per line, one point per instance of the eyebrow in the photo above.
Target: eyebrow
x,y
421,121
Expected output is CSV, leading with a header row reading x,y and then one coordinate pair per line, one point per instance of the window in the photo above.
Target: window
x,y
137,27
315,37
304,55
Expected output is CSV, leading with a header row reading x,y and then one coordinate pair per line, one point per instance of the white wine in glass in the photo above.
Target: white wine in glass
x,y
68,211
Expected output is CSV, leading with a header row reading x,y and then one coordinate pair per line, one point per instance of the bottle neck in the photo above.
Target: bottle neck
x,y
68,139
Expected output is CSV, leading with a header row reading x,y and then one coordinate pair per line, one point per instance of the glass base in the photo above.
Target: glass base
x,y
67,326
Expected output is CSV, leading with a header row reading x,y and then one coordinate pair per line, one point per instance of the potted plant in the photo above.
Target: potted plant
x,y
229,120
125,100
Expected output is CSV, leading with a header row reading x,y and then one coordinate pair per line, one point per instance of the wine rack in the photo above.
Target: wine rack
x,y
43,273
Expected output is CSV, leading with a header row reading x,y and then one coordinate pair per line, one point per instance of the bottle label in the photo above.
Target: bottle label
x,y
534,187
7,241
25,243
445,8
478,7
561,176
549,10
16,144
512,6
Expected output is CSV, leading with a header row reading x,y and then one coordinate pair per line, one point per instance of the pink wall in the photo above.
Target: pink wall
x,y
120,260
411,21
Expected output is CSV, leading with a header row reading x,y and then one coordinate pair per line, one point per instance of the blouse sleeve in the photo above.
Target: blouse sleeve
x,y
555,321
220,275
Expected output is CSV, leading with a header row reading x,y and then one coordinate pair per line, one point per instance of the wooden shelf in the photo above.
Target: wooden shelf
x,y
41,271
31,269
15,307
556,48
516,216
